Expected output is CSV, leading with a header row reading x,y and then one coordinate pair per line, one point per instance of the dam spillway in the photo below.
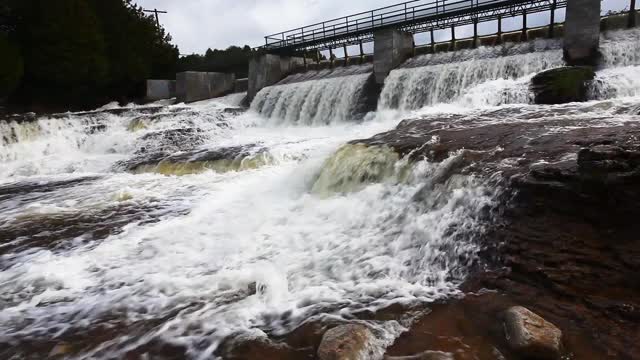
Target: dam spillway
x,y
150,231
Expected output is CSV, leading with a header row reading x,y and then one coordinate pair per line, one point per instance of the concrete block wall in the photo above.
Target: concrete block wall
x,y
160,89
266,70
390,49
195,86
242,85
582,32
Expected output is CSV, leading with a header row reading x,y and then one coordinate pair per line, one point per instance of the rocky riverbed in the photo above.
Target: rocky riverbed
x,y
562,243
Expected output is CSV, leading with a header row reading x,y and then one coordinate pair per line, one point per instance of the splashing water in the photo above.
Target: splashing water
x,y
115,261
500,75
316,102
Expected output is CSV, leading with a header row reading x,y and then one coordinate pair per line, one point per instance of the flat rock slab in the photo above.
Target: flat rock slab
x,y
531,336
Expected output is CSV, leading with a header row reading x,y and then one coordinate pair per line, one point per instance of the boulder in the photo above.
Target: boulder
x,y
531,336
562,85
344,342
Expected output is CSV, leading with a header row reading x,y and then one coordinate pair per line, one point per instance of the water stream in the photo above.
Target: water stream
x,y
185,224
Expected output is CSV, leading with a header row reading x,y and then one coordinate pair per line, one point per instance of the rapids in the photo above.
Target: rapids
x,y
184,225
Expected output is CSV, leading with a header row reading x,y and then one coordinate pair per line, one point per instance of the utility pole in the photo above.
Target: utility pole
x,y
156,11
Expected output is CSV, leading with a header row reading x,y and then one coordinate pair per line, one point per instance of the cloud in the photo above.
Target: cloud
x,y
197,25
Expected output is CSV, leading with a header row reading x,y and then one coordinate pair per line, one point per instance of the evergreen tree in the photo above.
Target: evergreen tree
x,y
63,48
136,48
11,66
80,52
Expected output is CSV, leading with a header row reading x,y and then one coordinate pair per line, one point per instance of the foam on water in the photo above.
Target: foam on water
x,y
495,76
321,230
316,102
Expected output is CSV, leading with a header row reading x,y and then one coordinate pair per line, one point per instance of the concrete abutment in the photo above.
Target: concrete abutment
x,y
582,32
391,48
267,69
196,86
160,90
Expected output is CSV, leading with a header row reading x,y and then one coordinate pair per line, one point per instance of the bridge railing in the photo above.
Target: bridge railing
x,y
369,21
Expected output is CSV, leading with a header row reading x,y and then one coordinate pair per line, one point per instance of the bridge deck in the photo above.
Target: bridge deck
x,y
413,16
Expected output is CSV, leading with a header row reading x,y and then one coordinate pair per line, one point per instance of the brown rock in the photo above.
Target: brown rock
x,y
427,355
532,336
59,350
344,342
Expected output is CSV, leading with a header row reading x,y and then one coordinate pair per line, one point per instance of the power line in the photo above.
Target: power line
x,y
156,11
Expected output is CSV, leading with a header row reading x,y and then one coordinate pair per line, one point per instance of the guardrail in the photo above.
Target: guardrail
x,y
399,15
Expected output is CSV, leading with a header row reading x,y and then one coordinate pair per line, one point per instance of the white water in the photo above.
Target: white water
x,y
320,235
500,75
316,102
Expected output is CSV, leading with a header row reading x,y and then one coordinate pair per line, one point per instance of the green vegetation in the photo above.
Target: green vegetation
x,y
79,53
562,85
11,66
232,60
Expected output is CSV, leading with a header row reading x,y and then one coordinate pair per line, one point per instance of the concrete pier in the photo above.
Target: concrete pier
x,y
390,49
582,32
266,70
195,86
160,89
242,85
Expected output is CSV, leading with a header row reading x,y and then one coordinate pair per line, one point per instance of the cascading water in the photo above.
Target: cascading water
x,y
484,76
500,75
329,97
160,230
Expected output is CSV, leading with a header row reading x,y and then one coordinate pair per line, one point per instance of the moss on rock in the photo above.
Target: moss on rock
x,y
562,85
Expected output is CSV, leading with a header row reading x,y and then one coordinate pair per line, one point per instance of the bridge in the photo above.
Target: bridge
x,y
412,17
392,30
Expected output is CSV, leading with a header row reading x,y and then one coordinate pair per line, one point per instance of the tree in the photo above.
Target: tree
x,y
140,49
63,49
81,52
11,66
232,60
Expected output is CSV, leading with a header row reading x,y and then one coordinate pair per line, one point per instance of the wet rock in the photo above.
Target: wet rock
x,y
530,335
427,355
60,350
567,222
344,342
562,85
261,348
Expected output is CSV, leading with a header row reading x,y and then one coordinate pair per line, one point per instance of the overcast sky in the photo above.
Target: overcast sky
x,y
197,25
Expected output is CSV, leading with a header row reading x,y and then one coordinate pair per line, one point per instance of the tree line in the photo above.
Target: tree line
x,y
79,52
65,54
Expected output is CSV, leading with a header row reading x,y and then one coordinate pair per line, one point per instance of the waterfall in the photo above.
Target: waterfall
x,y
315,102
182,227
484,77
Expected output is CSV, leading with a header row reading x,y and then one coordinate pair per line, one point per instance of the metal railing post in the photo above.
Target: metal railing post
x,y
346,55
453,37
433,42
552,25
499,40
524,26
475,32
632,14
